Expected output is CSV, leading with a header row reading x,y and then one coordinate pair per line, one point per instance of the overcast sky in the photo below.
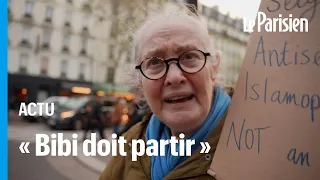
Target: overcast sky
x,y
237,8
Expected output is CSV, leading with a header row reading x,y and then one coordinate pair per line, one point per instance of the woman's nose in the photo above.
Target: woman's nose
x,y
175,75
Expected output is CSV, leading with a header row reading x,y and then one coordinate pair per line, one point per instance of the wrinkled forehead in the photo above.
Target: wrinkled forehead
x,y
175,33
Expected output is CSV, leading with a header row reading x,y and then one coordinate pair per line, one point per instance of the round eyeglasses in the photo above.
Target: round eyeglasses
x,y
155,68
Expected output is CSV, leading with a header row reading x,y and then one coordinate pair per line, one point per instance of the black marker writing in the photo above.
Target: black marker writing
x,y
249,136
260,91
279,58
310,7
296,158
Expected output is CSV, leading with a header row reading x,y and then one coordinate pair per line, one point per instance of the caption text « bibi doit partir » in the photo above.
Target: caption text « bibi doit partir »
x,y
57,145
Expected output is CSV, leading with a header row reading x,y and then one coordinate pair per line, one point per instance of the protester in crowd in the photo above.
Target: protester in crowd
x,y
95,119
178,75
116,115
137,111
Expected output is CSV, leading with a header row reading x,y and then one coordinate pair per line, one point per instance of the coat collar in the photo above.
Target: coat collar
x,y
196,165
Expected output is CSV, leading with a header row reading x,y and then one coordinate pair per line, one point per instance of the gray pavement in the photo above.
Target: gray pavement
x,y
103,159
13,117
28,166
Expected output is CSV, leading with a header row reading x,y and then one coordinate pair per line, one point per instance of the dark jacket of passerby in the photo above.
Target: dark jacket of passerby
x,y
95,120
97,113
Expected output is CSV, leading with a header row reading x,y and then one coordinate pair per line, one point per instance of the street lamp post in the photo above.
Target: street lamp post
x,y
92,73
92,69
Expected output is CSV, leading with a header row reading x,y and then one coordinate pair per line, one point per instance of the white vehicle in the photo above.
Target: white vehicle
x,y
57,100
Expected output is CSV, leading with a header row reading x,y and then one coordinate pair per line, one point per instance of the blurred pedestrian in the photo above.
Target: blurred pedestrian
x,y
116,115
95,119
136,112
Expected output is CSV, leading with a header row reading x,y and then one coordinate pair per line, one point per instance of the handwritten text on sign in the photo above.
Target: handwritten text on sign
x,y
309,7
274,119
259,92
278,58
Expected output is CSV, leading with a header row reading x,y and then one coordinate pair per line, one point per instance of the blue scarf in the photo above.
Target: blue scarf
x,y
162,165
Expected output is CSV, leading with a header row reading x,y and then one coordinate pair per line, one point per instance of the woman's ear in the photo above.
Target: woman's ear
x,y
215,66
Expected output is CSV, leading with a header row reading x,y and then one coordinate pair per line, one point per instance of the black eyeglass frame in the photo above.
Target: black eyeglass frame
x,y
178,64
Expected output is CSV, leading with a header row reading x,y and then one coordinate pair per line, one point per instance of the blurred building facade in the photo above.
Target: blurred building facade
x,y
229,39
54,46
126,15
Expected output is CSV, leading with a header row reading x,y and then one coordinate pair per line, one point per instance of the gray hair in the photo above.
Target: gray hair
x,y
161,13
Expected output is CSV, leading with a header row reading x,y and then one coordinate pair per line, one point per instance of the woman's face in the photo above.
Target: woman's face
x,y
170,40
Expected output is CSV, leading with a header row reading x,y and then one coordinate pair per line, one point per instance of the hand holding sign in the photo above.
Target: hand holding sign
x,y
273,127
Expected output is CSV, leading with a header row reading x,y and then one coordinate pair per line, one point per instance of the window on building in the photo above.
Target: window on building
x,y
85,21
239,24
84,43
46,37
206,11
66,40
63,68
44,65
28,7
221,17
111,72
82,71
49,13
102,68
24,57
68,17
26,34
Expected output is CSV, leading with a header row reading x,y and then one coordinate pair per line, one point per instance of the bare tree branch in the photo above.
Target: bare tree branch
x,y
122,15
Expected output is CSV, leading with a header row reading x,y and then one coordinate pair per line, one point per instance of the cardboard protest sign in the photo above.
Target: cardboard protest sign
x,y
272,131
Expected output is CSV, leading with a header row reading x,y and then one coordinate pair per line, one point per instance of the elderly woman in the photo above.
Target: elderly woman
x,y
178,68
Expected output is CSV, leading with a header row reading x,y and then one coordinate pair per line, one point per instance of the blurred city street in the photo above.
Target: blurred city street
x,y
71,68
29,166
